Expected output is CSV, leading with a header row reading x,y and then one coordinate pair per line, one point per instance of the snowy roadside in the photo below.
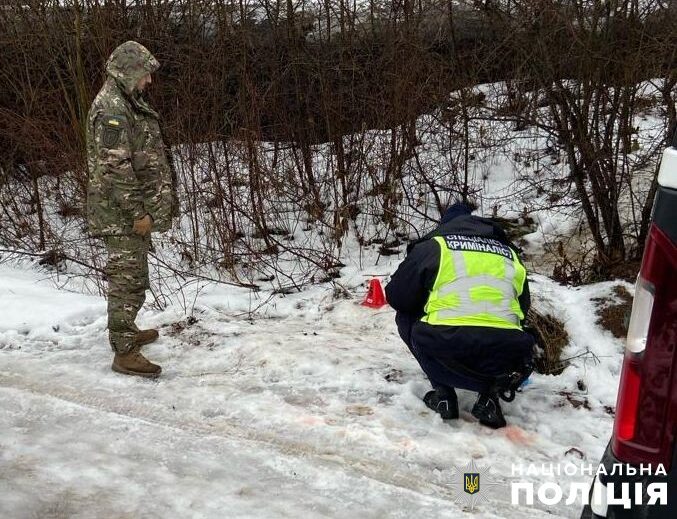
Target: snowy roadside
x,y
313,407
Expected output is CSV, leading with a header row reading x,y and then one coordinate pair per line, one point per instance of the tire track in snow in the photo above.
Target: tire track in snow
x,y
379,472
383,473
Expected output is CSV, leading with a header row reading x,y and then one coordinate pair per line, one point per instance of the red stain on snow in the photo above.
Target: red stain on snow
x,y
518,435
310,420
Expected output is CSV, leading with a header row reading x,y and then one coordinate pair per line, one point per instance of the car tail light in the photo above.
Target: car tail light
x,y
646,412
628,397
642,307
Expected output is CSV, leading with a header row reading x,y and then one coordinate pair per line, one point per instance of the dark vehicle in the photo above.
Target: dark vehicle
x,y
645,426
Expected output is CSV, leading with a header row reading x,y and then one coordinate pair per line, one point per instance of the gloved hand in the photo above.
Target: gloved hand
x,y
143,226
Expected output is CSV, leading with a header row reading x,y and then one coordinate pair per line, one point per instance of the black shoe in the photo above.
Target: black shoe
x,y
443,403
488,411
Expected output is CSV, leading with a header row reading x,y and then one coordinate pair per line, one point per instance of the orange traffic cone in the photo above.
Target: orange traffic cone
x,y
375,296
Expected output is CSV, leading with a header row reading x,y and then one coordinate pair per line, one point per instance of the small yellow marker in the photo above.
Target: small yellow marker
x,y
113,122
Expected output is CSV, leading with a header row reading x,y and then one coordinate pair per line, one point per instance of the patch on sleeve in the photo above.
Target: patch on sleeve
x,y
111,130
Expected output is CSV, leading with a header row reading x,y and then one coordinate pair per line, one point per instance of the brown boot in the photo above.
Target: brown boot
x,y
144,337
133,363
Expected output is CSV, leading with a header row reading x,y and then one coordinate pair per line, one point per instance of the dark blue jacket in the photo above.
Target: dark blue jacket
x,y
489,351
413,281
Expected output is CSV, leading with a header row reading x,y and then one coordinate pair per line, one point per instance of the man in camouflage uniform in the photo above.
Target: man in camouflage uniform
x,y
131,192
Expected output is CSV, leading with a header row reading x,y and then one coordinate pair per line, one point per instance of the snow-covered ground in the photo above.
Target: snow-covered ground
x,y
305,404
308,406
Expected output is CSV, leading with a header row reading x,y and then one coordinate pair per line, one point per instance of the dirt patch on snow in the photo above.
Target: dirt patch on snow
x,y
613,313
551,337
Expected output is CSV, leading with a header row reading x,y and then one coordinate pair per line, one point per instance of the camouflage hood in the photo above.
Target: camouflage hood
x,y
130,62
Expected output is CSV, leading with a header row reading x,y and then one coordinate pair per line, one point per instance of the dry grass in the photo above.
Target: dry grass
x,y
613,313
551,337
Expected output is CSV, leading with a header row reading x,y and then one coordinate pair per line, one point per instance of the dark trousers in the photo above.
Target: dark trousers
x,y
488,351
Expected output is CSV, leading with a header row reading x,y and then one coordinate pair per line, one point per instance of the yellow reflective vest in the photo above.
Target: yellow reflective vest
x,y
478,283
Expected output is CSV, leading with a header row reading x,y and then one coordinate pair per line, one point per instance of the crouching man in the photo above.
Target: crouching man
x,y
131,192
461,295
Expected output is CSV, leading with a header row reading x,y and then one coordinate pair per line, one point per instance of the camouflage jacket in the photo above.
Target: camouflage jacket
x,y
129,167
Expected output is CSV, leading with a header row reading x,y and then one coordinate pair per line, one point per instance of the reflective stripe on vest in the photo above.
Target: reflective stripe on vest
x,y
475,288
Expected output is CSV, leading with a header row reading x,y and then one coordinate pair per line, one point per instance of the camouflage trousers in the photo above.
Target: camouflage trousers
x,y
127,271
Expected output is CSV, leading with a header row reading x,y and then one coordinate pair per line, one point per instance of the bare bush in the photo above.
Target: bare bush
x,y
296,124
